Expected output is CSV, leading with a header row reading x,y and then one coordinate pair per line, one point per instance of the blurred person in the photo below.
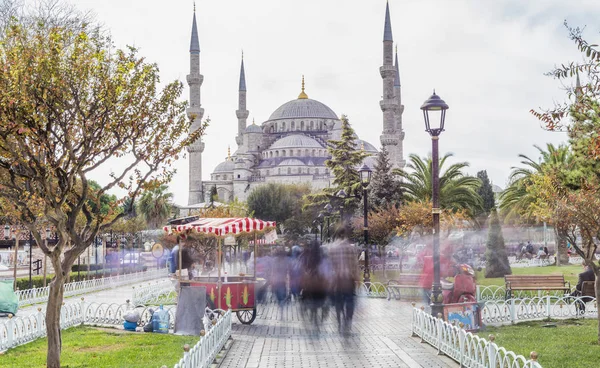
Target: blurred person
x,y
446,270
315,285
345,275
296,271
279,275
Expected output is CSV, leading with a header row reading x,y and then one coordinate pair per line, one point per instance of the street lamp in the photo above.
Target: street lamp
x,y
6,232
365,179
328,209
434,125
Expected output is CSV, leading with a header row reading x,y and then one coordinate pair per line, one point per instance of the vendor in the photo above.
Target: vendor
x,y
186,260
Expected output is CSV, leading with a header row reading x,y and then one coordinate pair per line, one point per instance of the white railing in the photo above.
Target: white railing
x,y
495,292
159,292
467,349
205,351
372,290
40,295
20,330
519,310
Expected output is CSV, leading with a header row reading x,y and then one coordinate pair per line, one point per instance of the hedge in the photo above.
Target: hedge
x,y
38,281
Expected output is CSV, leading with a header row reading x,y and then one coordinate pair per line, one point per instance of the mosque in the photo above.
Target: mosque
x,y
291,145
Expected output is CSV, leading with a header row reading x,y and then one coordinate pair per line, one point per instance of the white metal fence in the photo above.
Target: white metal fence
x,y
467,349
159,292
205,350
519,310
40,295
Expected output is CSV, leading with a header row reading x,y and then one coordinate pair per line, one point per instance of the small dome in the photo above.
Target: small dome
x,y
303,108
253,129
292,162
367,146
225,166
295,141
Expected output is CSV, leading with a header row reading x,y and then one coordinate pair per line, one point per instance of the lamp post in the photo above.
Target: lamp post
x,y
341,194
328,210
434,125
365,179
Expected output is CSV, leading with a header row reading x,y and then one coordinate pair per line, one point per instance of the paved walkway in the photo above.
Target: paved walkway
x,y
380,337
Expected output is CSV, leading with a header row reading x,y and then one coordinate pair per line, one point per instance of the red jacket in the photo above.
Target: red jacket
x,y
446,270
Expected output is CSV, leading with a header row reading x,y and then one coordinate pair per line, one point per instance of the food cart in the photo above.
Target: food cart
x,y
226,292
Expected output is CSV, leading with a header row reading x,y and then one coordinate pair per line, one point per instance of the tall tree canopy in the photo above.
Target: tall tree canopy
x,y
385,188
156,205
458,191
486,192
69,103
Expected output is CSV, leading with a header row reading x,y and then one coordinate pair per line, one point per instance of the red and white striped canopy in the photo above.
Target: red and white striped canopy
x,y
223,226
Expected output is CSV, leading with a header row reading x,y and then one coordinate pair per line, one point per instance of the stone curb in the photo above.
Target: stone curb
x,y
222,354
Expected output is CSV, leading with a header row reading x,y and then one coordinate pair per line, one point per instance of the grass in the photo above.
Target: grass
x,y
570,272
572,343
102,347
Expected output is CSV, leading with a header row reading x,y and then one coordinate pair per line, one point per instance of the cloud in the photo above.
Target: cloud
x,y
485,58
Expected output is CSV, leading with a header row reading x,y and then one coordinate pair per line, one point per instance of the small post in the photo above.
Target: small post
x,y
491,353
439,323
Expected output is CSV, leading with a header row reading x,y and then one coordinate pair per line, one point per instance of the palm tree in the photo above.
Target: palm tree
x,y
457,190
517,201
156,205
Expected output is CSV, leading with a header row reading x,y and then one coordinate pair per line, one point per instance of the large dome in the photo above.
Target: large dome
x,y
303,108
225,166
295,141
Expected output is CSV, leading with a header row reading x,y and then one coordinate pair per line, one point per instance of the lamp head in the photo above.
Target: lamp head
x,y
6,231
328,208
365,175
434,113
341,194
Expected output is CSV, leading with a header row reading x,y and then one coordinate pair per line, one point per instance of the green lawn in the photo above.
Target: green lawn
x,y
572,343
101,347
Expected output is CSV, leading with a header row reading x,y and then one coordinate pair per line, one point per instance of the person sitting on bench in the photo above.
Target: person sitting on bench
x,y
586,275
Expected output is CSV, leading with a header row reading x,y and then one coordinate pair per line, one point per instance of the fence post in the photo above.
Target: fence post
x,y
478,293
513,312
461,346
83,311
491,351
10,326
39,317
186,355
547,305
439,324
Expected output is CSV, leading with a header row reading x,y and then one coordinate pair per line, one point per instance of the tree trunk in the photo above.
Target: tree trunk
x,y
597,287
561,245
55,300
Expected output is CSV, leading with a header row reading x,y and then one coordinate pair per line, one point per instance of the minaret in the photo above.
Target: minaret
x,y
241,112
389,105
195,112
398,112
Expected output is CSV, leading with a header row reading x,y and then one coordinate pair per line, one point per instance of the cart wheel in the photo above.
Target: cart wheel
x,y
246,317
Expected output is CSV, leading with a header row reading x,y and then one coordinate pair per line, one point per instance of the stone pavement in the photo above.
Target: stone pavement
x,y
380,337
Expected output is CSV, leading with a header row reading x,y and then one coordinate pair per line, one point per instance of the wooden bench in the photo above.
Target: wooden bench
x,y
535,283
405,281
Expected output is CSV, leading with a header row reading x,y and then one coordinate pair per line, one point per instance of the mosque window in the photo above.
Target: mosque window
x,y
283,153
289,170
283,126
302,125
317,171
312,125
238,176
306,153
293,127
278,171
217,177
271,130
299,153
276,153
275,126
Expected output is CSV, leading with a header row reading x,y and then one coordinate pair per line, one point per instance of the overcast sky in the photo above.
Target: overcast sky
x,y
485,58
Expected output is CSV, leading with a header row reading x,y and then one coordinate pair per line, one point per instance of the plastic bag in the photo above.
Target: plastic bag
x,y
9,302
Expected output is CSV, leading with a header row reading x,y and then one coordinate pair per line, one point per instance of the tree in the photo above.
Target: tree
x,y
496,257
521,198
278,202
486,192
70,102
344,164
385,188
457,190
156,205
214,195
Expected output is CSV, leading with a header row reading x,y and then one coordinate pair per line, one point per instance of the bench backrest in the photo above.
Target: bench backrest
x,y
535,280
588,288
409,279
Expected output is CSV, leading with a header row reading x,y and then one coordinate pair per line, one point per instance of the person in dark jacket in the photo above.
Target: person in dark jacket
x,y
586,275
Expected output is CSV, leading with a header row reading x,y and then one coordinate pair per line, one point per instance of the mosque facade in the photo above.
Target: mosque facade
x,y
291,145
